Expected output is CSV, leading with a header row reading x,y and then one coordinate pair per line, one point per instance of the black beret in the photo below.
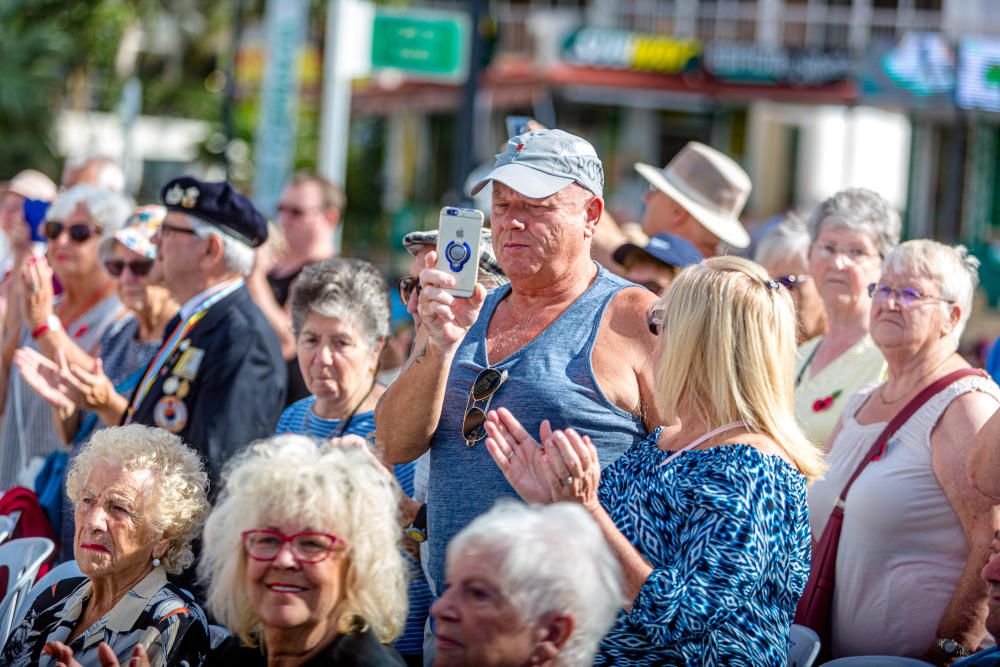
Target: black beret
x,y
217,204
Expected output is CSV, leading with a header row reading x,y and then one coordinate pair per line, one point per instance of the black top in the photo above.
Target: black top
x,y
357,649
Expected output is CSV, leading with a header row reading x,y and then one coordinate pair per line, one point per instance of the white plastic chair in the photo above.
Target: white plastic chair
x,y
8,522
62,571
876,661
803,646
22,558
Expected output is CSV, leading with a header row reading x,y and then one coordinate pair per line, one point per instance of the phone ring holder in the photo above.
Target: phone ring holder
x,y
457,255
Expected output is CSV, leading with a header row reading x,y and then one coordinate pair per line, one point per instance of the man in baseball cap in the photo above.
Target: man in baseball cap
x,y
656,264
698,196
564,341
219,378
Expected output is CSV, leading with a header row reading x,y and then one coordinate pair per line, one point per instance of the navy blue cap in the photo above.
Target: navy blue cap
x,y
667,248
217,204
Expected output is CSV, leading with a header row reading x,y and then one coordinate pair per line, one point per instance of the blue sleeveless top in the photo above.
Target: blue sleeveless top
x,y
550,377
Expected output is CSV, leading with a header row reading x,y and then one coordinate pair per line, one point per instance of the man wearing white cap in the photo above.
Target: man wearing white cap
x,y
564,344
698,196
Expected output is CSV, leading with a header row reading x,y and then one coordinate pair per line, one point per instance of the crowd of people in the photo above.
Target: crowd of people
x,y
580,464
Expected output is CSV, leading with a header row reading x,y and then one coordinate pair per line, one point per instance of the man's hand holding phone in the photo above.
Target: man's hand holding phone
x,y
445,317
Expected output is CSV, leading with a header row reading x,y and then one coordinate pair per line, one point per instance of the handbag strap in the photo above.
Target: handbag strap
x,y
915,403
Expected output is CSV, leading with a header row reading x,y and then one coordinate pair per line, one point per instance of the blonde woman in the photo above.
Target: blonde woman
x,y
302,560
708,515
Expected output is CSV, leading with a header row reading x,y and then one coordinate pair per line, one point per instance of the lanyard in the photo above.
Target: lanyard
x,y
172,341
710,434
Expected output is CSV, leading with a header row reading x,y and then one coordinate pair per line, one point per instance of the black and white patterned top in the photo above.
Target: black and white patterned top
x,y
156,614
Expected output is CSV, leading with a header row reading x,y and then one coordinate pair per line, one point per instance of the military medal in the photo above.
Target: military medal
x,y
170,385
183,389
187,366
170,414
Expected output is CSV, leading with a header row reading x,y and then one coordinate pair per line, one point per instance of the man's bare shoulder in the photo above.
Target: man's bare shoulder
x,y
627,317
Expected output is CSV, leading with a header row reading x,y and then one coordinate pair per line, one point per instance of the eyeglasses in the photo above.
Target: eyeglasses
x,y
793,281
906,297
138,267
852,255
79,233
655,318
307,547
487,383
294,211
165,226
407,285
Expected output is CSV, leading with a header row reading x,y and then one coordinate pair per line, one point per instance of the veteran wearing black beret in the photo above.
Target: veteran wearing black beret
x,y
219,378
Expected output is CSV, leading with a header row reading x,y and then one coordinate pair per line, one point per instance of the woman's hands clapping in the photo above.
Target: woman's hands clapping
x,y
563,467
63,655
63,384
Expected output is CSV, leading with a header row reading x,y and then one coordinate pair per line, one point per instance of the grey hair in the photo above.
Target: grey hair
x,y
178,501
237,256
345,288
954,270
861,210
787,238
109,173
108,210
535,544
337,488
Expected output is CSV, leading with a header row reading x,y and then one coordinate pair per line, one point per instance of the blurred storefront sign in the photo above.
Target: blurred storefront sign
x,y
916,71
421,44
758,63
978,84
620,49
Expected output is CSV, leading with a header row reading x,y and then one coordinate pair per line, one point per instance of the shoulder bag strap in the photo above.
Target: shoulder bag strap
x,y
878,447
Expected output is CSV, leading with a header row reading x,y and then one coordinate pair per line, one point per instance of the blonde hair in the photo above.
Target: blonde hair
x,y
955,271
178,501
727,352
290,478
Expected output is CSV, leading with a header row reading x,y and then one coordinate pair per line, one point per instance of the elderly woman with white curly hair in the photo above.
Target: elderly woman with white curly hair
x,y
139,495
301,557
915,533
527,586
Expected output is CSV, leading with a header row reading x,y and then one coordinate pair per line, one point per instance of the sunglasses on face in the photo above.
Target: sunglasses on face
x,y
138,267
307,547
793,281
487,383
407,285
79,233
906,297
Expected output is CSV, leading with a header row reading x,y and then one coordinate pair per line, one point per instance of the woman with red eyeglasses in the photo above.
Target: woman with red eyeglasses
x,y
68,326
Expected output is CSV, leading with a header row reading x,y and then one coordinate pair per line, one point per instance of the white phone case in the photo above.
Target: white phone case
x,y
458,247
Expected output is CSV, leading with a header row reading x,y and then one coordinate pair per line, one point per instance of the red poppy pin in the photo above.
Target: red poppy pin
x,y
823,404
520,147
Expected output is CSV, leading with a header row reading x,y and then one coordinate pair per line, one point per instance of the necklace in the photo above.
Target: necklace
x,y
345,423
881,390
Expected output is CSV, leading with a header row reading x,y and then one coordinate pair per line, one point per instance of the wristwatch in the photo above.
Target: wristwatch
x,y
951,648
417,531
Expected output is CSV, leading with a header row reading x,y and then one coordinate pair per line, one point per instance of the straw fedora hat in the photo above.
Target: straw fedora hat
x,y
707,184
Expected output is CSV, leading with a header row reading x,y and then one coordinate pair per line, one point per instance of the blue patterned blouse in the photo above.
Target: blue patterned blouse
x,y
726,530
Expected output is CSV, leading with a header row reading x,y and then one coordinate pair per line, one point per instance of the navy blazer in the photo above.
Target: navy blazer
x,y
238,393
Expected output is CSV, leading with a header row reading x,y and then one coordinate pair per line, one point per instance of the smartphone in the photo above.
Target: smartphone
x,y
34,215
517,125
459,231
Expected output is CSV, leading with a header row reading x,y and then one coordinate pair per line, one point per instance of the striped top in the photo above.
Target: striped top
x,y
299,418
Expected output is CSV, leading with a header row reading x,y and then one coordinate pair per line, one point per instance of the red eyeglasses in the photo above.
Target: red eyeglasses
x,y
307,546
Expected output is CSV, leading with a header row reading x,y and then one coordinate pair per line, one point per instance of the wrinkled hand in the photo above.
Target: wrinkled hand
x,y
36,291
568,455
45,378
445,317
93,387
518,455
105,655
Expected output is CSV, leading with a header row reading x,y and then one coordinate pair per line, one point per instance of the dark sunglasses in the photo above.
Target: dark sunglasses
x,y
138,267
79,233
487,383
407,285
793,281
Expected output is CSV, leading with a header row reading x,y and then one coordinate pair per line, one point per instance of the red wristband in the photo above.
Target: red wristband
x,y
40,330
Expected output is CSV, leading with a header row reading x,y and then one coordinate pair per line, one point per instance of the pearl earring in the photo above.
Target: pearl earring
x,y
156,562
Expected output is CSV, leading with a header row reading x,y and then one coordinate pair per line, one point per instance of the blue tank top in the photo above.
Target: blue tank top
x,y
551,377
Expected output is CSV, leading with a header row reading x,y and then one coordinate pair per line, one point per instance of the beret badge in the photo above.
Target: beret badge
x,y
188,198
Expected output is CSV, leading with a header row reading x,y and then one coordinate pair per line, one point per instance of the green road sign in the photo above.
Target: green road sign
x,y
422,44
